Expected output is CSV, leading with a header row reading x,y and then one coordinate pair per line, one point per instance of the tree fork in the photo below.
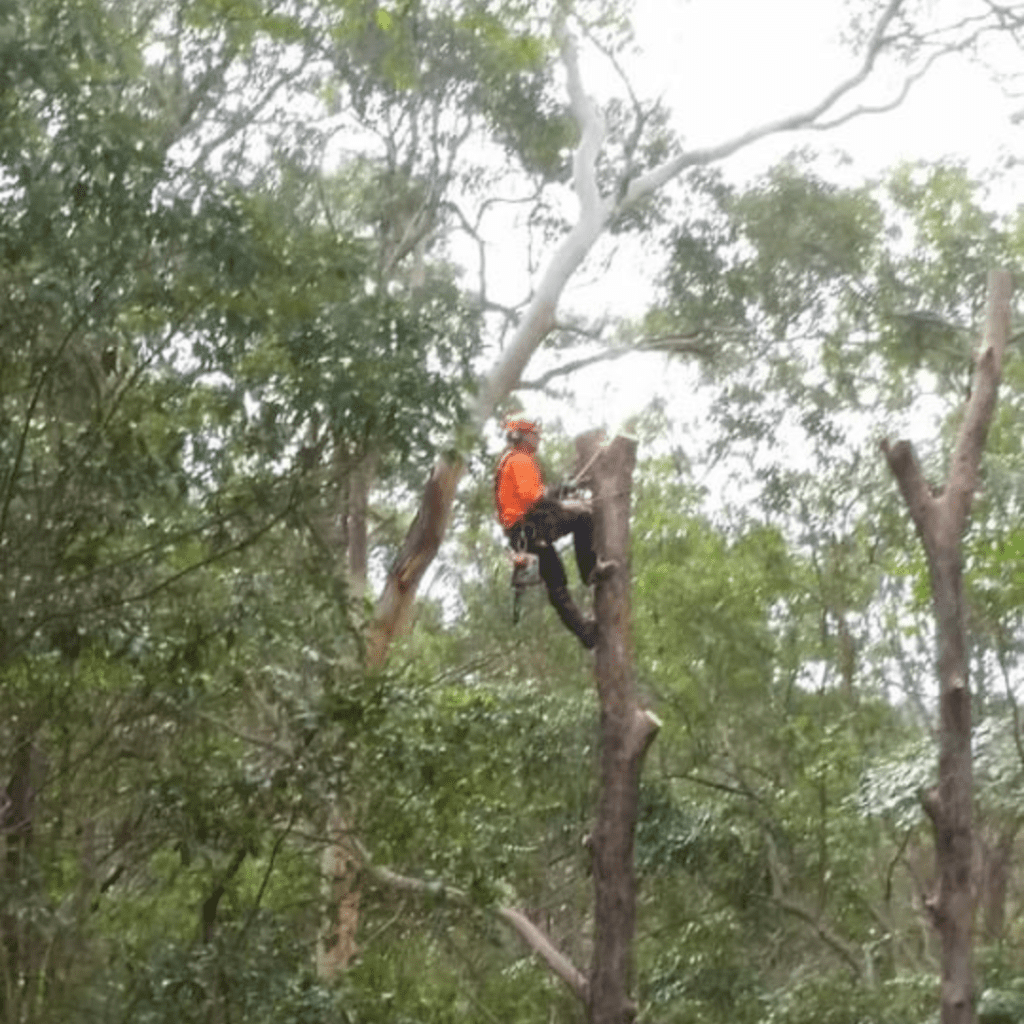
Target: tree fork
x,y
627,731
940,519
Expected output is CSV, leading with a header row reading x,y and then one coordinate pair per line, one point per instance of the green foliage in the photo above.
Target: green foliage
x,y
835,999
450,759
704,975
833,297
179,670
1000,1006
202,338
258,973
719,647
834,310
490,61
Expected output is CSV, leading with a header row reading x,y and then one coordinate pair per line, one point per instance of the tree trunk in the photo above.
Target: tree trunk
x,y
359,485
394,607
340,874
940,518
21,953
994,879
347,538
626,733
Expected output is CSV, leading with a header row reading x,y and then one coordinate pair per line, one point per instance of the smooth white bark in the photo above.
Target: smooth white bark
x,y
595,213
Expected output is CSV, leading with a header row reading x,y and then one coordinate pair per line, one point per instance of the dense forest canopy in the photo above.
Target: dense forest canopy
x,y
235,347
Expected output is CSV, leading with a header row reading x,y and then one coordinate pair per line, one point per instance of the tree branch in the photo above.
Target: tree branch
x,y
673,344
791,906
973,431
530,934
591,122
882,108
210,904
539,317
275,850
915,490
649,183
541,382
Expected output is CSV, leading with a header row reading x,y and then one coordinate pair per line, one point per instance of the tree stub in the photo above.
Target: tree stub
x,y
627,731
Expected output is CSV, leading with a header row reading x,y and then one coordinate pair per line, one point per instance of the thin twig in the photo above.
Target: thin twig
x,y
270,867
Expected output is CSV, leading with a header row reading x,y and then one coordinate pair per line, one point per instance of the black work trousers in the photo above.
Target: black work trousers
x,y
537,532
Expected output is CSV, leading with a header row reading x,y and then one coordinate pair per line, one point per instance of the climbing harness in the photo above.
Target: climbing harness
x,y
526,564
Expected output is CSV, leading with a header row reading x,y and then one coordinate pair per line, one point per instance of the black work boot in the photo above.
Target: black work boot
x,y
584,627
588,636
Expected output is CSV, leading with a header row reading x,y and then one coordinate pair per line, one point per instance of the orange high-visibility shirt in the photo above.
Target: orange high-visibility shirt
x,y
517,486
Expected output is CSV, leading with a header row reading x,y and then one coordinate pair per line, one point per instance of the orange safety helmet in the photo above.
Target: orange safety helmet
x,y
515,430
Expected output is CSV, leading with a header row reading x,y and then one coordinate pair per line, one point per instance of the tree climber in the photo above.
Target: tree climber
x,y
533,520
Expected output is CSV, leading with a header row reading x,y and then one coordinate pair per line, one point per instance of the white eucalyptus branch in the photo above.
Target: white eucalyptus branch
x,y
640,188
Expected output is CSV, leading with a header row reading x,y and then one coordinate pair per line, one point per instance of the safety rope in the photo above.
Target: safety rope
x,y
579,476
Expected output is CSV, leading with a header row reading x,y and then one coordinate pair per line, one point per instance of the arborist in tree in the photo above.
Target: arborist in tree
x,y
533,519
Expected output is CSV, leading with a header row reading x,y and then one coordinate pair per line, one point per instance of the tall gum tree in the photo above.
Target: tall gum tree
x,y
599,208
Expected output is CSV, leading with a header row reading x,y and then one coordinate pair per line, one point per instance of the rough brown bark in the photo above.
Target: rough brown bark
x,y
421,543
940,518
626,733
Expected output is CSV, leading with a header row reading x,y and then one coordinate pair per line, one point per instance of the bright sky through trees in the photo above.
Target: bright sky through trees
x,y
725,66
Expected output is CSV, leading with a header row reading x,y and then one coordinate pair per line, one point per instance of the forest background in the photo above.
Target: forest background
x,y
227,368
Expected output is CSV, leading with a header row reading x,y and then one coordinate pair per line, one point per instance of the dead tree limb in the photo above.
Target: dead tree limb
x,y
940,518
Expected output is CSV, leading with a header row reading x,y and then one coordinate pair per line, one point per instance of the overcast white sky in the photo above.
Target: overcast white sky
x,y
724,66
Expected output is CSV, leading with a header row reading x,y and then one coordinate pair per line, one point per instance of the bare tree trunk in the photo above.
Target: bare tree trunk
x,y
940,518
360,483
394,608
347,541
626,733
